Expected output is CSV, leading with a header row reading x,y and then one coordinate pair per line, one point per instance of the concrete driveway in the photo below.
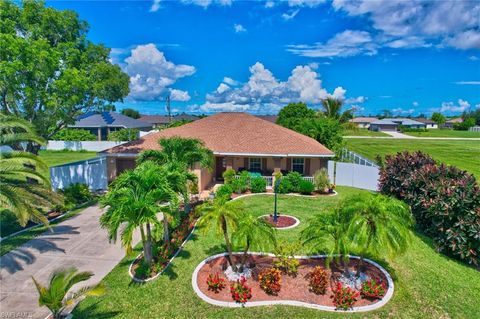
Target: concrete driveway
x,y
78,241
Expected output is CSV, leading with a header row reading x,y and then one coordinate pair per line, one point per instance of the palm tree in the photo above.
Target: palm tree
x,y
54,296
253,232
134,199
380,225
332,108
25,187
326,232
222,216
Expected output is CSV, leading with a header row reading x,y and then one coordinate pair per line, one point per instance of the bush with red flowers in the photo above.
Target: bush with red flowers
x,y
318,280
373,289
215,283
270,280
241,293
344,297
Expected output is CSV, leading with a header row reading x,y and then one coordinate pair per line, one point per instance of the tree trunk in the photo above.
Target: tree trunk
x,y
166,230
147,252
33,148
245,254
149,242
228,244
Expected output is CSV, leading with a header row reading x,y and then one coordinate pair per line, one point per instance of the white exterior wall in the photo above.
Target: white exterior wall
x,y
93,146
353,175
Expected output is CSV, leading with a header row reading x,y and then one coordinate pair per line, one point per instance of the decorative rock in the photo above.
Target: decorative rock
x,y
234,276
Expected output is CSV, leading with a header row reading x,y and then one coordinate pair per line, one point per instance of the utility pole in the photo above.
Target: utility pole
x,y
169,109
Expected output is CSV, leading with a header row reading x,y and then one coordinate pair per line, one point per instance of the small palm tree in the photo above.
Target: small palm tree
x,y
326,232
133,200
222,216
380,225
332,108
25,187
55,296
253,232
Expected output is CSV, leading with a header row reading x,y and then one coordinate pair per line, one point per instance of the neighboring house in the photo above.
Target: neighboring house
x,y
237,140
450,123
101,124
270,118
363,122
160,121
393,124
429,124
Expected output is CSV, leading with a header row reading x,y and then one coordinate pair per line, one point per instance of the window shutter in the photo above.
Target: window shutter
x,y
289,164
264,164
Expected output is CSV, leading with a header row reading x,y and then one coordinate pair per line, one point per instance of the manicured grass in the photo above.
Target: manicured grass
x,y
445,133
53,158
363,132
11,243
464,154
427,284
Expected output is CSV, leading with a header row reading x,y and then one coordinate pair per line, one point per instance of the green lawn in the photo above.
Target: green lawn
x,y
53,158
363,132
464,154
427,284
445,133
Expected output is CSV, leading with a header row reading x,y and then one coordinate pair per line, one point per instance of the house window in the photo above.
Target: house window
x,y
298,165
254,164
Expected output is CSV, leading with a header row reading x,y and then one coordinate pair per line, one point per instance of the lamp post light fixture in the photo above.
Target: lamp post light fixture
x,y
275,190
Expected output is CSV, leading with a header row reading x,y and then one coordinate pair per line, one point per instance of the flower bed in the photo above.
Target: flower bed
x,y
294,290
283,221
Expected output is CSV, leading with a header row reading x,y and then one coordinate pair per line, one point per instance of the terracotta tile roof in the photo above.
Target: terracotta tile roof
x,y
234,133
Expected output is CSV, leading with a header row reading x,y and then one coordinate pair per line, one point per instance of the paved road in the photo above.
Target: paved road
x,y
78,241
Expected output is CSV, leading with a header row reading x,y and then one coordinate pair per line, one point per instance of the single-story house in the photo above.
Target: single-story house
x,y
363,122
101,124
238,140
429,124
393,124
450,123
160,121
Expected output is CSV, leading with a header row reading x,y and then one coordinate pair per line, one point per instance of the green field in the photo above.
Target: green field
x,y
427,284
464,154
53,158
363,132
445,133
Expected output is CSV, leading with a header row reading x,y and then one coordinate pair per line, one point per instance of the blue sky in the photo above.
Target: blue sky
x,y
209,56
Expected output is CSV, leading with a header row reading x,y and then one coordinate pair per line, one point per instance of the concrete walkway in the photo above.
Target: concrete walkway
x,y
78,241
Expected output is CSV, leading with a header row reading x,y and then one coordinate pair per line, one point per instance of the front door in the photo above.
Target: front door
x,y
220,166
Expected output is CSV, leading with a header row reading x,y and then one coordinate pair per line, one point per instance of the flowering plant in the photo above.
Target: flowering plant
x,y
373,289
241,293
317,280
215,283
344,297
270,280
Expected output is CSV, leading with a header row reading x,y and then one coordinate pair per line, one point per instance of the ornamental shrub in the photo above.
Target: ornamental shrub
x,y
239,185
344,297
373,289
295,179
258,184
321,179
225,191
76,194
72,134
286,262
240,292
229,175
306,187
318,280
396,171
216,283
446,204
125,134
270,280
285,186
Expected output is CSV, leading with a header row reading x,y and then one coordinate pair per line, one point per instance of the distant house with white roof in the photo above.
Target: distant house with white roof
x,y
363,122
429,123
393,124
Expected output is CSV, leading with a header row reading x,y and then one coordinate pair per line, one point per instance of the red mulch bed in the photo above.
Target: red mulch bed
x,y
292,288
282,221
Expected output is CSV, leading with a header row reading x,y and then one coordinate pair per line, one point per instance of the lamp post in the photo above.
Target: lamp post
x,y
275,189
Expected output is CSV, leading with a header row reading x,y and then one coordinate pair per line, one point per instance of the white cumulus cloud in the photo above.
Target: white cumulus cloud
x,y
460,106
291,15
239,28
151,74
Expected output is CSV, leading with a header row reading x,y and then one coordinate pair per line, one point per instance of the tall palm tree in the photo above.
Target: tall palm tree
x,y
55,296
380,225
222,216
326,232
332,108
133,200
24,187
253,232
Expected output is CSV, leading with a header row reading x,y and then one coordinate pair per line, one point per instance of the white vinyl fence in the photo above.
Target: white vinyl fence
x,y
93,146
92,172
354,175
